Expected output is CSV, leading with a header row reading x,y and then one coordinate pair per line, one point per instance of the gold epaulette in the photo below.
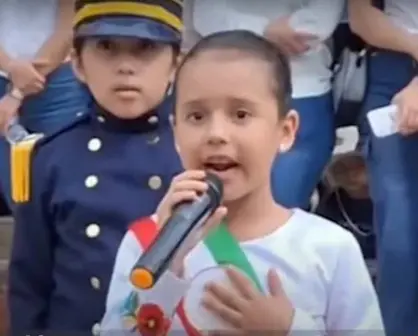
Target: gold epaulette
x,y
20,167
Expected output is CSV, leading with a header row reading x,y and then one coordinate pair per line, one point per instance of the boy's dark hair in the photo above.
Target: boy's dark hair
x,y
255,45
78,44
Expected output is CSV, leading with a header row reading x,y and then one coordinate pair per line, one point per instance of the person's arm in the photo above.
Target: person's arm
x,y
121,297
312,23
30,270
57,48
352,306
378,30
318,17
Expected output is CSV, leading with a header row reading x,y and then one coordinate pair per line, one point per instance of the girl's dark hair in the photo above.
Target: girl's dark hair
x,y
255,45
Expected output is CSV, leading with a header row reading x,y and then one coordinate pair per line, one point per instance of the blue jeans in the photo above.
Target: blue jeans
x,y
46,112
393,174
297,172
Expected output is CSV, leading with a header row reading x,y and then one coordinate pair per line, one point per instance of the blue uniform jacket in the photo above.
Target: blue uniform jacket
x,y
89,182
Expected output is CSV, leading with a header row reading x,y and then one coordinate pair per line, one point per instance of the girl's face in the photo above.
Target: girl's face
x,y
227,120
127,76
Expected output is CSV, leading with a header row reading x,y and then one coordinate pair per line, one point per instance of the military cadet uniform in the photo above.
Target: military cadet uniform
x,y
78,189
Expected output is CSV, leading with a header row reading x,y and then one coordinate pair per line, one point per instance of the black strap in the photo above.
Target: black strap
x,y
343,37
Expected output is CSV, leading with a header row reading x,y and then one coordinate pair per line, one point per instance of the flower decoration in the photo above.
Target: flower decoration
x,y
147,318
128,311
151,320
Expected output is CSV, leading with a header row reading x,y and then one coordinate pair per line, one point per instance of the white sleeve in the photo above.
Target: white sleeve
x,y
166,293
319,17
353,307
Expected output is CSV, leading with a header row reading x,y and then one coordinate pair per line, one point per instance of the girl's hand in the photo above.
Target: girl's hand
x,y
186,187
247,310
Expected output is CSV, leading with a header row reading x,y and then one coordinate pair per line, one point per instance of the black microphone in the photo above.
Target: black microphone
x,y
186,219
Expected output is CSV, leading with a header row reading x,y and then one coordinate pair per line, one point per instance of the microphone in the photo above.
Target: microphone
x,y
187,218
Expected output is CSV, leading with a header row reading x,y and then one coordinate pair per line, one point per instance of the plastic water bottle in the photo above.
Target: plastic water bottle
x,y
15,132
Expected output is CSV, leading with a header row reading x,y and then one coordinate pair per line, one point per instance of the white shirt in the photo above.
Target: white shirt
x,y
310,71
404,13
25,25
319,263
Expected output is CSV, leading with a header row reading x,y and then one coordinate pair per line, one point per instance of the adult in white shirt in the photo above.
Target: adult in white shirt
x,y
36,82
392,160
301,29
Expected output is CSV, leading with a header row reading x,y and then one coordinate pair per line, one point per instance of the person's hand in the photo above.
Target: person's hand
x,y
407,104
186,187
42,66
25,77
290,41
246,309
9,107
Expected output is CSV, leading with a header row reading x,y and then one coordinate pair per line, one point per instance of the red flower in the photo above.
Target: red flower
x,y
151,320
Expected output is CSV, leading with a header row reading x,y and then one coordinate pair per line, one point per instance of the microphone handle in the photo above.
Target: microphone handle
x,y
174,235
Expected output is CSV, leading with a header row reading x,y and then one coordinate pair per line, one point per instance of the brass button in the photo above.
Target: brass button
x,y
95,283
101,119
153,119
171,119
155,182
95,330
91,181
94,144
92,230
153,140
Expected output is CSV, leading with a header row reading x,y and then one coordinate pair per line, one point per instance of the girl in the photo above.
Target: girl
x,y
93,177
291,270
300,28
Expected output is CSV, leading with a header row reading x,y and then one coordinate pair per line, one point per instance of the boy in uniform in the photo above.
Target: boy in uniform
x,y
78,189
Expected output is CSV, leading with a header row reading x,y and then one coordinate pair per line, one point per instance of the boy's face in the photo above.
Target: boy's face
x,y
227,120
126,76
